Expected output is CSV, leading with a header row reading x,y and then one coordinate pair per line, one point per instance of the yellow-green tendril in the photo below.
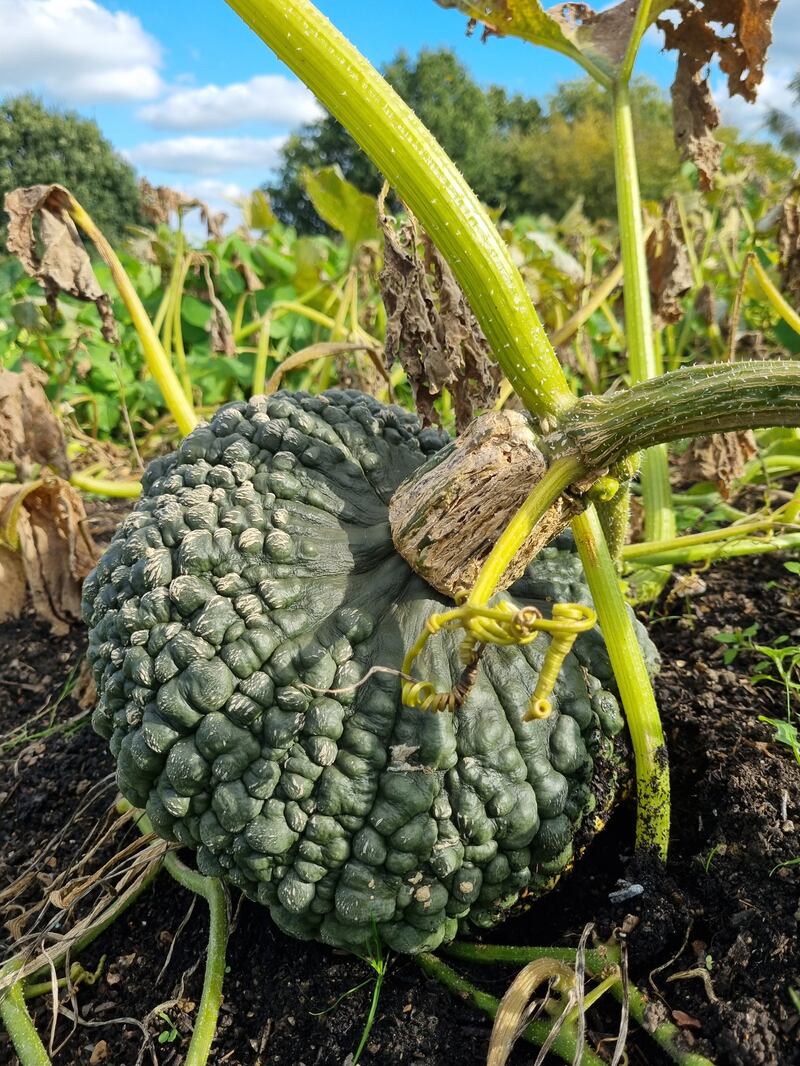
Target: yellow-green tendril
x,y
582,618
501,624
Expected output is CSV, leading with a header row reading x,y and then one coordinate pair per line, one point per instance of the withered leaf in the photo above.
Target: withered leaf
x,y
738,32
668,267
158,202
789,243
431,329
30,433
45,548
695,116
63,265
721,458
602,36
220,325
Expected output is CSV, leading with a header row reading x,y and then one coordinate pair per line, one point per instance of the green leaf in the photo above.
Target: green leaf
x,y
793,567
597,39
785,733
195,312
257,211
26,315
272,262
514,18
342,205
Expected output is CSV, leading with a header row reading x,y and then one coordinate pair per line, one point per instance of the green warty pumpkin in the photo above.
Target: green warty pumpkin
x,y
246,626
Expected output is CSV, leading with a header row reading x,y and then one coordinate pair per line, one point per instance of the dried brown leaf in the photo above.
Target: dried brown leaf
x,y
695,116
600,34
12,582
29,431
45,539
685,1021
789,243
706,305
738,32
252,281
668,267
99,1053
220,325
721,458
58,259
84,692
158,202
431,329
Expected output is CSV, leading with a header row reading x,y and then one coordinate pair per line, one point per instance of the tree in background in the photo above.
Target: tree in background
x,y
473,124
39,145
786,127
572,154
515,155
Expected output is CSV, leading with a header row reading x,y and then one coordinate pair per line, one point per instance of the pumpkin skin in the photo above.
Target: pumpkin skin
x,y
258,561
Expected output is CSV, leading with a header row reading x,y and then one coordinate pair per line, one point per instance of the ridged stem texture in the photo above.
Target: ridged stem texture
x,y
18,1023
635,688
694,401
210,888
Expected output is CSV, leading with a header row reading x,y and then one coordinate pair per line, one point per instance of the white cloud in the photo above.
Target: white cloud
x,y
750,118
271,98
784,52
213,190
783,62
77,51
207,155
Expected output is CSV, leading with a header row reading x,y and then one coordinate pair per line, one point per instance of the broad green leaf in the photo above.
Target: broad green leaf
x,y
344,207
195,312
785,733
257,211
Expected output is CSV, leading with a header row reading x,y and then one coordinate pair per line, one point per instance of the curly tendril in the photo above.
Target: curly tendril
x,y
502,624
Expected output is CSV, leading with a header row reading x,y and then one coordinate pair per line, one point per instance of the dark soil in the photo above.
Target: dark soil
x,y
721,915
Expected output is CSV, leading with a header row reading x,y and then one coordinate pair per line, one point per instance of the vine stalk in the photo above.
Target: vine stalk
x,y
427,179
656,492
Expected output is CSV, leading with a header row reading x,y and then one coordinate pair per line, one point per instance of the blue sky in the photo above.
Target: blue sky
x,y
196,101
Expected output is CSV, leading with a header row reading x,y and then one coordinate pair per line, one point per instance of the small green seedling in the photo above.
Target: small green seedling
x,y
785,733
170,1034
736,641
380,964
